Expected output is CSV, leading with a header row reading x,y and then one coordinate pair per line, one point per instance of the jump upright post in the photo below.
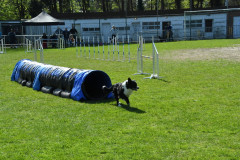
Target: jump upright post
x,y
28,45
140,57
155,57
38,47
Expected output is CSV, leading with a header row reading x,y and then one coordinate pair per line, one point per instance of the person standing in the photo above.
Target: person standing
x,y
113,33
169,32
12,38
66,34
74,32
59,32
44,40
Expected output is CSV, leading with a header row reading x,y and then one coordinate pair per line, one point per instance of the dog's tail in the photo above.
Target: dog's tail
x,y
106,89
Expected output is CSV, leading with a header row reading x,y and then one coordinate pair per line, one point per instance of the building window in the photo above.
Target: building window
x,y
123,28
151,25
208,25
90,29
194,23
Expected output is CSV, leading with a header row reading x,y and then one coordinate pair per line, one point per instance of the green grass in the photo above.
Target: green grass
x,y
192,113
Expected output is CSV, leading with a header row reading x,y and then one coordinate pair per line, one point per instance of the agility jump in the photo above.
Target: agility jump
x,y
155,60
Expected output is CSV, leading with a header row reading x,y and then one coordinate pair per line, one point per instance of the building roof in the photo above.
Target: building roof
x,y
43,19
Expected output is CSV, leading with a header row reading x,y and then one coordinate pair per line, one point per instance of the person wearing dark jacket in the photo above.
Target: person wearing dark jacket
x,y
66,34
74,32
12,38
44,40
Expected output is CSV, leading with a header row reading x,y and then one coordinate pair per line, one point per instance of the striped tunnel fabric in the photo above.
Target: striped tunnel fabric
x,y
77,84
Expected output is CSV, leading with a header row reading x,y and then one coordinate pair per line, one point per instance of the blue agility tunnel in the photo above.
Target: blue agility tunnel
x,y
76,84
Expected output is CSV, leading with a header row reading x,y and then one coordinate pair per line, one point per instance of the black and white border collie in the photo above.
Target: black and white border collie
x,y
122,90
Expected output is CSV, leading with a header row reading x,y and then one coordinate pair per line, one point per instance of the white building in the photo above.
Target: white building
x,y
205,24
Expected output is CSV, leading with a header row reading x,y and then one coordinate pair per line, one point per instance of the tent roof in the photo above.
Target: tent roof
x,y
43,19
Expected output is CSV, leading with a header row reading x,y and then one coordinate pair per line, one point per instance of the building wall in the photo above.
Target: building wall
x,y
152,26
197,26
200,30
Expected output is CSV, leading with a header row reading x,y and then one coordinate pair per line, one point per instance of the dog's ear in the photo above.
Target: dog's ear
x,y
129,79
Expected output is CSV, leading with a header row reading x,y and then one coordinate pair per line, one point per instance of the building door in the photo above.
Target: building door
x,y
236,27
106,27
78,28
164,29
208,30
135,29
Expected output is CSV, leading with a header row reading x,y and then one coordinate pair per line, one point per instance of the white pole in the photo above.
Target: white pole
x,y
88,48
93,48
153,55
103,48
98,48
108,48
128,50
141,48
113,40
35,49
76,47
84,47
80,46
118,50
123,47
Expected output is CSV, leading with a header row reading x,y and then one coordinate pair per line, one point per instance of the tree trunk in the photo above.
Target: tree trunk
x,y
162,5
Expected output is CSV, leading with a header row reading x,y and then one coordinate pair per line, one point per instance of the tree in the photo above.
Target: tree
x,y
35,7
162,4
178,4
21,8
217,3
140,5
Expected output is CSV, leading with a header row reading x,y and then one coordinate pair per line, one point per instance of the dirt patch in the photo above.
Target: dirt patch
x,y
227,53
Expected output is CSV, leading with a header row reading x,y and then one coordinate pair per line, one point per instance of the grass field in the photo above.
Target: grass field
x,y
193,112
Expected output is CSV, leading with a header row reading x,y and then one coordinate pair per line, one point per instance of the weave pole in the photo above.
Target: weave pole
x,y
94,49
98,48
103,48
123,48
88,48
108,48
80,45
128,50
84,46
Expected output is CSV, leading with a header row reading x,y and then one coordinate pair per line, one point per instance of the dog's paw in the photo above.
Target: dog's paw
x,y
119,105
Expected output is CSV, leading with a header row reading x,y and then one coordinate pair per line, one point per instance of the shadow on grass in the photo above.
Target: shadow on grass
x,y
166,81
126,107
132,109
99,101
